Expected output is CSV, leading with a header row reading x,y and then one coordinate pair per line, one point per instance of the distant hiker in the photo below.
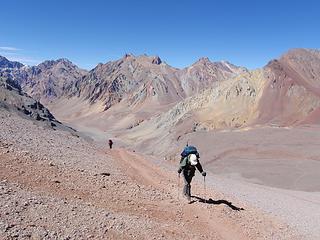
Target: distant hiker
x,y
110,143
188,164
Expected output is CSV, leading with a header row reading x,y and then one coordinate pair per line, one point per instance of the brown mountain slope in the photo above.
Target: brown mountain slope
x,y
46,81
135,79
128,91
121,93
124,93
292,92
50,79
232,103
285,93
138,79
203,73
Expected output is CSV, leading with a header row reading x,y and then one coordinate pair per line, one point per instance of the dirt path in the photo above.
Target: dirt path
x,y
218,218
143,172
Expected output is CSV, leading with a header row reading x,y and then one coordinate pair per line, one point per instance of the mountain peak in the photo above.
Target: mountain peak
x,y
144,58
203,60
5,63
300,53
51,63
128,55
156,60
64,60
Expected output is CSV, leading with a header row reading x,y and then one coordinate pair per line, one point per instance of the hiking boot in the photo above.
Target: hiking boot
x,y
189,198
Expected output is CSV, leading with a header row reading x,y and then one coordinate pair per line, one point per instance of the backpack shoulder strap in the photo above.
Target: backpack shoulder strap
x,y
184,161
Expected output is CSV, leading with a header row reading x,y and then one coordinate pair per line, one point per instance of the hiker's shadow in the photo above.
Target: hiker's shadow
x,y
218,202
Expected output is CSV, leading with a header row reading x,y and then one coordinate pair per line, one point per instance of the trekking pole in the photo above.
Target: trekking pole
x,y
178,186
205,189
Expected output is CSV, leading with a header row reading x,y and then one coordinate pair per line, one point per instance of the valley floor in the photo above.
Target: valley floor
x,y
55,185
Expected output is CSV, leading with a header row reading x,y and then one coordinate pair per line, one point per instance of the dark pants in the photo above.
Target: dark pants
x,y
187,177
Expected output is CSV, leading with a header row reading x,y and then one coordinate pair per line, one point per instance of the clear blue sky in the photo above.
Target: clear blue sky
x,y
247,33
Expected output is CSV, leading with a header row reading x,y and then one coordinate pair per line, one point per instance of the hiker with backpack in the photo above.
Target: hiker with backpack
x,y
188,164
110,143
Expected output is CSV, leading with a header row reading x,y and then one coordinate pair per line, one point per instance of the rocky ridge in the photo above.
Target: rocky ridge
x,y
46,81
12,98
5,63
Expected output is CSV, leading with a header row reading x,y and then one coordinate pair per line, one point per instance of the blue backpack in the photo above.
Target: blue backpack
x,y
189,150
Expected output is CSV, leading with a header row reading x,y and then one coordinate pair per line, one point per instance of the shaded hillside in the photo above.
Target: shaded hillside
x,y
5,63
12,98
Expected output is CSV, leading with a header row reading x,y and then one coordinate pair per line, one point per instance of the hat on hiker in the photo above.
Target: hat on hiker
x,y
193,159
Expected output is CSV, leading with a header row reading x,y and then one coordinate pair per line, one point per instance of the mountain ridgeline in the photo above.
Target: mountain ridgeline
x,y
145,94
145,79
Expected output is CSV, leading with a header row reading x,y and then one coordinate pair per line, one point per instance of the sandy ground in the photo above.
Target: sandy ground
x,y
287,158
297,208
58,186
275,169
